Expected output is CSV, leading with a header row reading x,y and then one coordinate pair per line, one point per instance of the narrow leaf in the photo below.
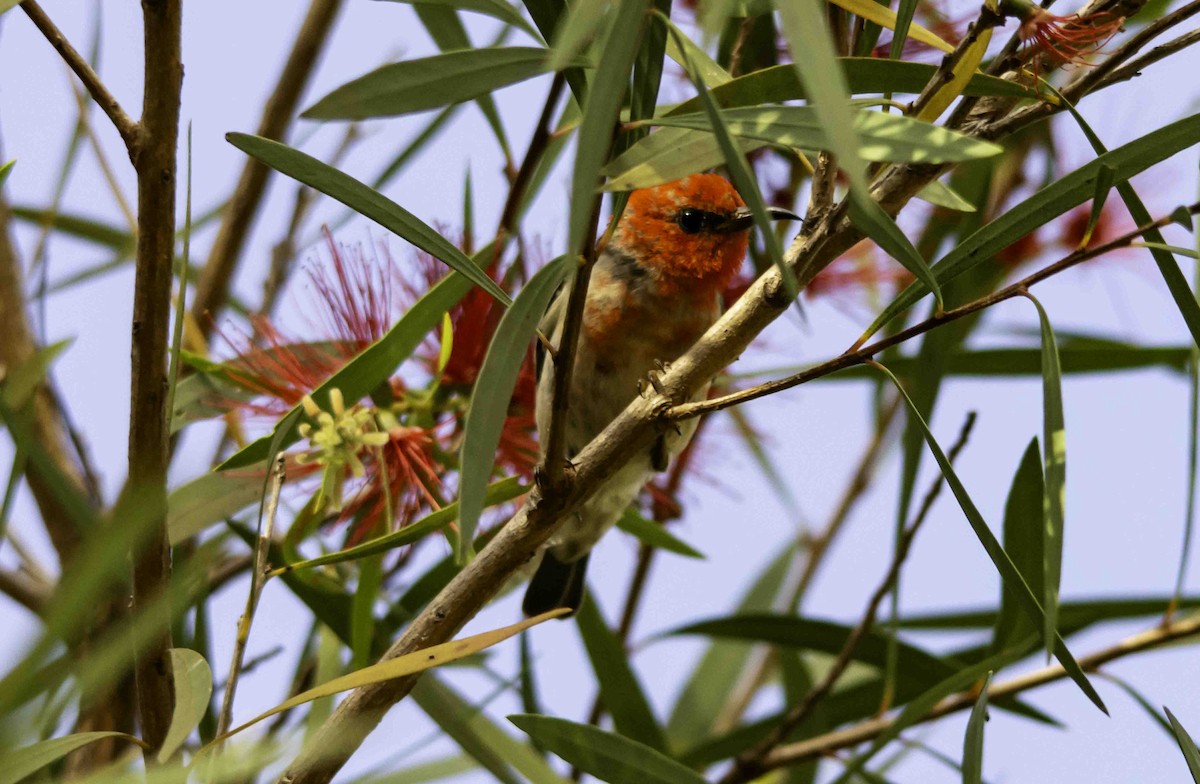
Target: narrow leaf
x,y
22,762
367,202
496,493
1105,178
600,114
886,17
193,687
619,686
605,755
1054,440
1024,541
1186,745
373,365
497,9
408,664
1057,198
972,764
655,534
493,391
429,83
1004,565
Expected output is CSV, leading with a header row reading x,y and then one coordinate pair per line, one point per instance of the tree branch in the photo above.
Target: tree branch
x,y
148,431
812,748
750,765
863,355
25,590
79,64
212,288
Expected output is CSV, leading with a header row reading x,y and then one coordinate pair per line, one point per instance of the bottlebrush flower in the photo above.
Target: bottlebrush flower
x,y
1057,40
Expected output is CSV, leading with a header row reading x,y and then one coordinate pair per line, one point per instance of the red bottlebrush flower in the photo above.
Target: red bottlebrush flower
x,y
859,269
354,306
404,475
1057,40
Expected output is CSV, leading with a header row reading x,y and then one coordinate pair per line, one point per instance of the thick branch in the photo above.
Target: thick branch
x,y
213,287
803,751
91,80
148,432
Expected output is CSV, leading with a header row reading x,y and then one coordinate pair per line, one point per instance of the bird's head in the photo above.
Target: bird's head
x,y
690,234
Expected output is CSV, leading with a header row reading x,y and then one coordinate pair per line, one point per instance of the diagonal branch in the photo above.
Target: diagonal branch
x,y
864,355
91,80
213,287
822,745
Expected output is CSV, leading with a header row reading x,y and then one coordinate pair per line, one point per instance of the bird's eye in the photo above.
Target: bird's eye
x,y
691,221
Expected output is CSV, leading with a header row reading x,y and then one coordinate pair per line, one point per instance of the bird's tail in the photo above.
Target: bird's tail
x,y
555,584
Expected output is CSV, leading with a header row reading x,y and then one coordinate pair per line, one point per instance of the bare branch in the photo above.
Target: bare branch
x,y
212,289
148,431
106,100
750,765
24,589
1159,636
863,355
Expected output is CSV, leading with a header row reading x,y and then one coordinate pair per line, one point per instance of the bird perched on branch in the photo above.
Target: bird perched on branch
x,y
655,289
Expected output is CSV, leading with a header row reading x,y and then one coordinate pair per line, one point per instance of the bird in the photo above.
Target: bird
x,y
654,290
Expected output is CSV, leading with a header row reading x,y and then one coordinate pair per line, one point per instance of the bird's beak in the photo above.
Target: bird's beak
x,y
743,218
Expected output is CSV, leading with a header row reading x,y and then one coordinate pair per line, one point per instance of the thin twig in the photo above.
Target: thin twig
x,y
1160,52
106,168
816,548
149,429
257,580
1093,78
79,64
529,164
863,355
812,748
26,590
212,288
750,765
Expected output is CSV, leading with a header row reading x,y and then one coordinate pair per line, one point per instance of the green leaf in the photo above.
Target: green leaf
x,y
923,704
607,756
1186,745
1054,437
471,728
1177,285
882,137
1004,565
575,30
193,688
1072,616
209,499
21,381
824,637
6,169
863,75
712,679
19,763
496,493
367,202
654,534
1024,541
493,392
429,83
373,365
1104,182
79,227
1057,198
940,194
497,9
667,155
879,226
972,765
738,167
600,113
619,687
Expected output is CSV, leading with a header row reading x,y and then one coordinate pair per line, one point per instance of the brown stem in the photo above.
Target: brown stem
x,y
863,355
749,766
146,490
26,590
79,64
822,745
212,288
